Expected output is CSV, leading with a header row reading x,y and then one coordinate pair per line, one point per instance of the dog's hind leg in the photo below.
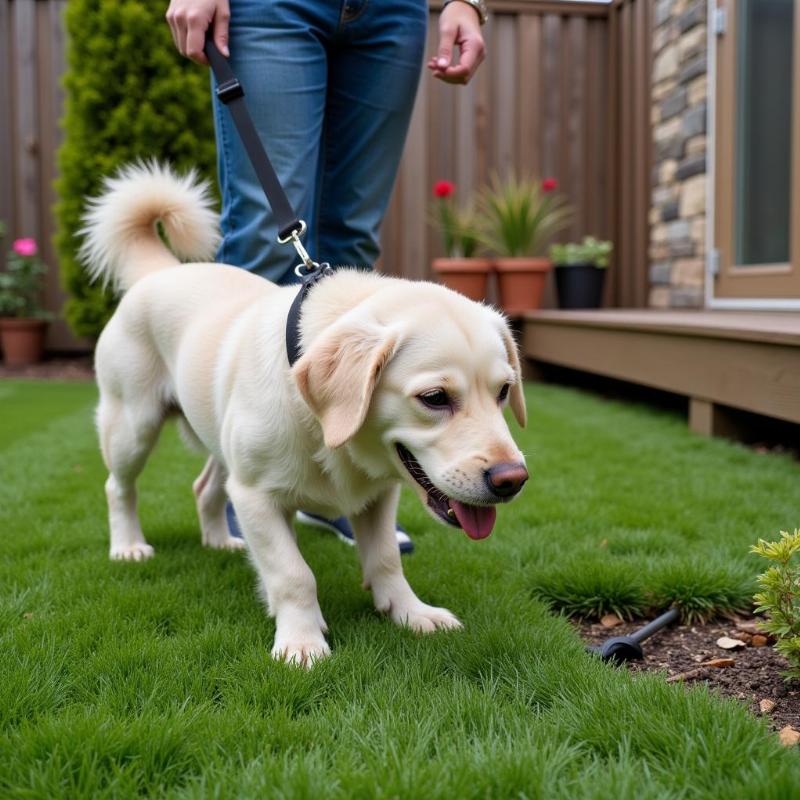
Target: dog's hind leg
x,y
127,436
209,491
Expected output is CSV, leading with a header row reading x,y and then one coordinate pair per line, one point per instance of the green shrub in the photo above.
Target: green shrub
x,y
780,596
129,95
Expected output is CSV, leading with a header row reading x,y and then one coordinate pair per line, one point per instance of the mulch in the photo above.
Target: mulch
x,y
680,652
55,369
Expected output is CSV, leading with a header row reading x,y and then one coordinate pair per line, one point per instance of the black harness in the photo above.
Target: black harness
x,y
290,228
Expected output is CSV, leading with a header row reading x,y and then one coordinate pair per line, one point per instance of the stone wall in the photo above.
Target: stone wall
x,y
678,202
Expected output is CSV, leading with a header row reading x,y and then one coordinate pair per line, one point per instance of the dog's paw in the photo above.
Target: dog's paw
x,y
423,618
301,651
134,552
228,543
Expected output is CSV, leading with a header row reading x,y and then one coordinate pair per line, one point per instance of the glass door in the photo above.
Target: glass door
x,y
757,169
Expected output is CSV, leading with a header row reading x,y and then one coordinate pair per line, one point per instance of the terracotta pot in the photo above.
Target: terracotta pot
x,y
22,340
521,282
466,275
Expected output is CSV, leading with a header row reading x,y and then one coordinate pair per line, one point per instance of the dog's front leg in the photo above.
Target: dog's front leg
x,y
289,584
383,572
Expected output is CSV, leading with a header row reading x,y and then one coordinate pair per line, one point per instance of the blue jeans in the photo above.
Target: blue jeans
x,y
330,85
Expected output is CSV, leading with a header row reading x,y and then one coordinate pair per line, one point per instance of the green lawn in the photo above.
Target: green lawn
x,y
121,679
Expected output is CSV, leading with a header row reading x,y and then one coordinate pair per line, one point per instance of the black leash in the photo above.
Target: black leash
x,y
290,228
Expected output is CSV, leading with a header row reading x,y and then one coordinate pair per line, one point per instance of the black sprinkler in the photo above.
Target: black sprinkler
x,y
628,648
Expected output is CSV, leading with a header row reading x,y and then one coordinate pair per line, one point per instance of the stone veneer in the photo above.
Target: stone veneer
x,y
678,201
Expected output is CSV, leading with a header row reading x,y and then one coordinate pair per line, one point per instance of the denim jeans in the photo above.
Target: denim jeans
x,y
330,85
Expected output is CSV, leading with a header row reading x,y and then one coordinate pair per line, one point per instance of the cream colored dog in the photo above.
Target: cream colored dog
x,y
399,381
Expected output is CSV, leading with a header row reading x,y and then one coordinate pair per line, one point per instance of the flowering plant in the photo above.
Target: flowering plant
x,y
21,283
520,215
458,225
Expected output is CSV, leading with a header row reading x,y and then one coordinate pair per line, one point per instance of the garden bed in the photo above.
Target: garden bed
x,y
63,368
680,653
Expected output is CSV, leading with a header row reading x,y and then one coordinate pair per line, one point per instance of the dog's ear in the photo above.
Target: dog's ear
x,y
517,395
338,375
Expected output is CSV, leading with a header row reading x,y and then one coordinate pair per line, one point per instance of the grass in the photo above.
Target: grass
x,y
154,679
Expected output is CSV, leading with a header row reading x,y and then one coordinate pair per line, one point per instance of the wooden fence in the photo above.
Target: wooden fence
x,y
564,93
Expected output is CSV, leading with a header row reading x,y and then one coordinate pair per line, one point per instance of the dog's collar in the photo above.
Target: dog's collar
x,y
309,279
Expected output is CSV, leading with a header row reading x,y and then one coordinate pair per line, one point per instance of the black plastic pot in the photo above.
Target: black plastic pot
x,y
580,286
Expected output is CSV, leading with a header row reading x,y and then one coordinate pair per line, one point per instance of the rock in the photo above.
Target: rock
x,y
660,273
788,736
694,15
748,626
693,196
610,621
726,643
759,640
690,167
719,663
766,705
693,69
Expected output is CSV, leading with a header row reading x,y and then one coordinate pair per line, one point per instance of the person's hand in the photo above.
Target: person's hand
x,y
190,19
459,26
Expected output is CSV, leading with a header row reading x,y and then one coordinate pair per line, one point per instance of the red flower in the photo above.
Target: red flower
x,y
443,189
549,185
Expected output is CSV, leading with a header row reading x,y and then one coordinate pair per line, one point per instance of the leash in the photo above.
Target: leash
x,y
290,228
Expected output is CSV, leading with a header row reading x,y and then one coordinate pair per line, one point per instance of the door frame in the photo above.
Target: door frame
x,y
712,250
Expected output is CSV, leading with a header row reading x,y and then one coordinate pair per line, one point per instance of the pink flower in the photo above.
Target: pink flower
x,y
443,189
549,185
25,247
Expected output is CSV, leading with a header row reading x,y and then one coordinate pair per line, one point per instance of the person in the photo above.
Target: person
x,y
331,87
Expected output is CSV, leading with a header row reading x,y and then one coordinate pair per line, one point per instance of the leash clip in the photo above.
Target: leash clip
x,y
229,90
294,237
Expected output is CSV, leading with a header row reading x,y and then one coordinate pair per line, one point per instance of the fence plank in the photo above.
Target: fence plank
x,y
530,76
6,111
27,120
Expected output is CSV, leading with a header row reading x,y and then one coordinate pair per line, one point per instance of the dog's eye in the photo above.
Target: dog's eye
x,y
436,399
503,392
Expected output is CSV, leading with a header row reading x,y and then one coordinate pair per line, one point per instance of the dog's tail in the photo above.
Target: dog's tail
x,y
122,241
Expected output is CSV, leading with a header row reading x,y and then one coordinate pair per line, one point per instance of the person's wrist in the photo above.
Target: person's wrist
x,y
479,6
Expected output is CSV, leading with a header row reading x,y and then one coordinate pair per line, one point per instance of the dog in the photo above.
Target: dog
x,y
398,382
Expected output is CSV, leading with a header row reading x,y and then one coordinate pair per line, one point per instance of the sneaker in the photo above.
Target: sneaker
x,y
341,527
233,523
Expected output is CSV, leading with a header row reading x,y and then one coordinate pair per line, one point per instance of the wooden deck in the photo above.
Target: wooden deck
x,y
718,359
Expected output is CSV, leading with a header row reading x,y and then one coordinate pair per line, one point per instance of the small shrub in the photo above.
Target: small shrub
x,y
129,95
780,596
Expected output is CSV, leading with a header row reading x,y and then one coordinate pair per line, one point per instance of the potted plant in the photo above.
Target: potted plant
x,y
460,270
580,272
22,320
518,218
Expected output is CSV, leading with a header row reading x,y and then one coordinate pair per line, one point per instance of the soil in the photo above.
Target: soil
x,y
54,369
679,652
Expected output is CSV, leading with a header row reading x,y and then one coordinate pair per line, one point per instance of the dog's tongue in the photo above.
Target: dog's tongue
x,y
477,521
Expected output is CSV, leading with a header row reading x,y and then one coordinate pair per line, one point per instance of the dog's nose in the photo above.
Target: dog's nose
x,y
505,480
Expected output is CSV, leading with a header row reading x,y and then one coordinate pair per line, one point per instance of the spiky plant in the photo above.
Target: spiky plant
x,y
519,216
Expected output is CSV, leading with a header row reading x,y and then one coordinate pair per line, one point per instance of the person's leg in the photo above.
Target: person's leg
x,y
374,69
278,52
